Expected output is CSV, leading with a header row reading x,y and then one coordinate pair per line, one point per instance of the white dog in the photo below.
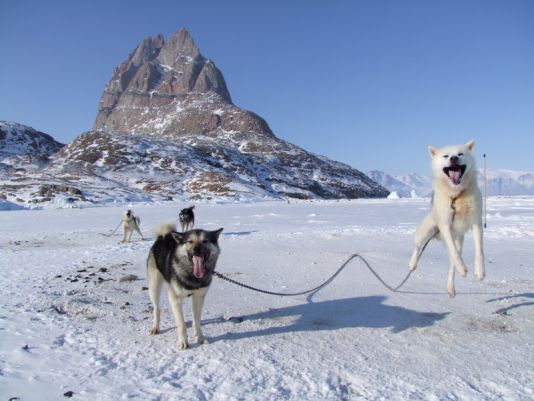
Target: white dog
x,y
456,208
130,223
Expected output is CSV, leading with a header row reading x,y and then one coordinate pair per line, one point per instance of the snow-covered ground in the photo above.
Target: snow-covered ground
x,y
69,324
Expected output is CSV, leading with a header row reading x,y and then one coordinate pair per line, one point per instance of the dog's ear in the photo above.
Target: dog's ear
x,y
470,145
432,151
178,237
192,207
215,234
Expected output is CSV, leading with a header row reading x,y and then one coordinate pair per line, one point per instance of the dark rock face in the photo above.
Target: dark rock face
x,y
171,89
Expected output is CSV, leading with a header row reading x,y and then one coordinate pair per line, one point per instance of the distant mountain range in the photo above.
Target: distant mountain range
x,y
166,128
499,183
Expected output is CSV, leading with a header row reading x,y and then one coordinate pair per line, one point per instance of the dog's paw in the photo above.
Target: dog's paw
x,y
182,345
154,331
412,265
201,340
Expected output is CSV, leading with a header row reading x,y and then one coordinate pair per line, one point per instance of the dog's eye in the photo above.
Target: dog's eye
x,y
190,242
445,156
460,154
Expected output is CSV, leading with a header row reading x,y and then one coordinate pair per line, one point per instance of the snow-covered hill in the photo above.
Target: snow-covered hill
x,y
24,147
166,128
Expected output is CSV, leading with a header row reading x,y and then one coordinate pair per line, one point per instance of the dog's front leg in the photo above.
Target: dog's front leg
x,y
479,252
454,255
176,304
198,303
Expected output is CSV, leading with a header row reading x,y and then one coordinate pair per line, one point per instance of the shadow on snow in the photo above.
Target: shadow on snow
x,y
359,312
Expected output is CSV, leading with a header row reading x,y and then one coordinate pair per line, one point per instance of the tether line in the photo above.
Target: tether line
x,y
324,284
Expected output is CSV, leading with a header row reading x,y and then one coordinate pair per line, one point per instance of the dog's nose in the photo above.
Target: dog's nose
x,y
454,159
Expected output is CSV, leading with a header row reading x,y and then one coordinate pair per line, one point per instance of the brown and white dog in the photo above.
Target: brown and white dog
x,y
456,209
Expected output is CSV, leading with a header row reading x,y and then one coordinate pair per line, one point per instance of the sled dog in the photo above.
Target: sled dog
x,y
456,208
187,218
130,223
186,262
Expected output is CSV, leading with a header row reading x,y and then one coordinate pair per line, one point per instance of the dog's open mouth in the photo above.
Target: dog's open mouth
x,y
455,173
197,262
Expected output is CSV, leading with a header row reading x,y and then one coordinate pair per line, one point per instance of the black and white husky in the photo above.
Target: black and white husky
x,y
187,218
186,261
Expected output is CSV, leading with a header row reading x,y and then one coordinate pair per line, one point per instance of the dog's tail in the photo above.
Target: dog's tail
x,y
164,229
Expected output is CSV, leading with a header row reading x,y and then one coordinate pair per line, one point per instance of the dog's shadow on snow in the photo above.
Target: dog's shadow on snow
x,y
359,312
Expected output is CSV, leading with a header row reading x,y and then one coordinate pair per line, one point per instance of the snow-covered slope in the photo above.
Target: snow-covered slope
x,y
24,147
69,324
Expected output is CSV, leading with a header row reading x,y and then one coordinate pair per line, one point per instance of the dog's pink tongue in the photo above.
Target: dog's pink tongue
x,y
455,176
198,266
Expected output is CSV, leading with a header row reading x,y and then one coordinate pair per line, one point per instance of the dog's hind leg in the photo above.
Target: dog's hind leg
x,y
155,281
451,291
424,233
139,231
176,304
454,252
198,303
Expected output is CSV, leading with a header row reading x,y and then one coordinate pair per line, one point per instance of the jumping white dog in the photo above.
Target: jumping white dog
x,y
456,208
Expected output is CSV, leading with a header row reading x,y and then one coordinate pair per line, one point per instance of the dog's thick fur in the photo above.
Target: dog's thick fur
x,y
186,262
456,208
187,218
130,223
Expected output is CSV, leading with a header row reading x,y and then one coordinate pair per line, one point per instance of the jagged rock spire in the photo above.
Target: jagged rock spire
x,y
158,74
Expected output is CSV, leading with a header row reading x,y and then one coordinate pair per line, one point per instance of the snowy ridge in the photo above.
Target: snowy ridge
x,y
99,168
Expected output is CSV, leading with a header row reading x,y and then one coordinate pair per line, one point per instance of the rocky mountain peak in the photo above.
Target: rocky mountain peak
x,y
180,46
166,128
161,85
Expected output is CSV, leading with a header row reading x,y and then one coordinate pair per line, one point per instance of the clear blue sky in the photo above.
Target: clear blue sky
x,y
369,83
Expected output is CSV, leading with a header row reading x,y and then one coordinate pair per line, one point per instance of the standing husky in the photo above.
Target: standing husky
x,y
456,208
187,218
130,223
186,261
